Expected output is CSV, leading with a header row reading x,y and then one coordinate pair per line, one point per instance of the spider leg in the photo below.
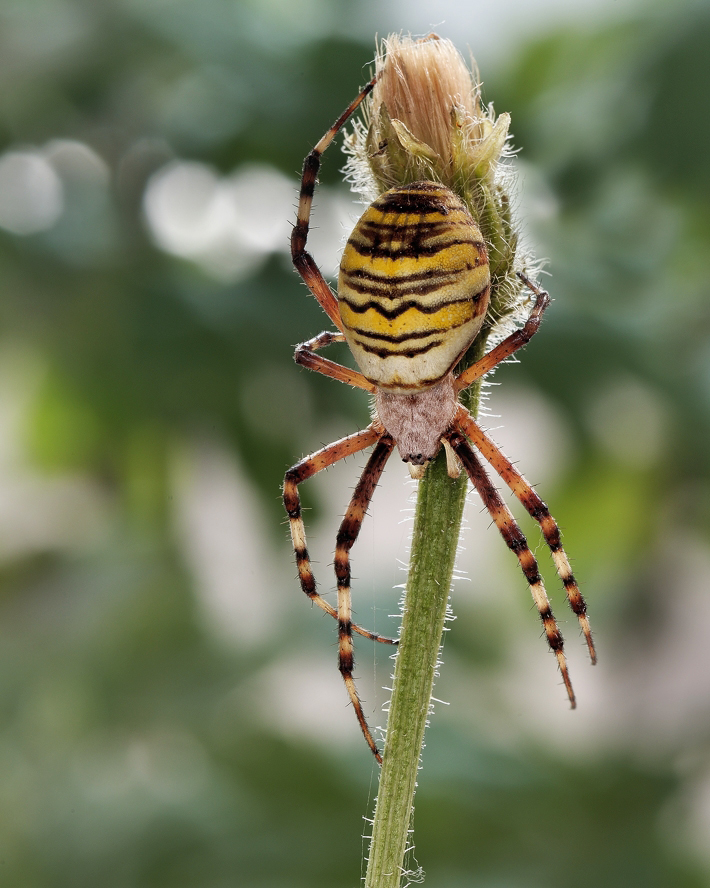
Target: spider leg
x,y
347,534
538,511
303,470
305,356
302,260
515,540
509,345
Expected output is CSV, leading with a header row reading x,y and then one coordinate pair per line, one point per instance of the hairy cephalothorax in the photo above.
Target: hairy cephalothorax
x,y
418,421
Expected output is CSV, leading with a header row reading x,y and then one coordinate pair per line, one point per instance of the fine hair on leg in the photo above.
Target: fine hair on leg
x,y
302,260
303,470
538,511
516,542
510,344
347,534
306,357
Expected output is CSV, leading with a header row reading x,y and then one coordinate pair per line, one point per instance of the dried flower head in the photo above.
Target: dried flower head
x,y
425,121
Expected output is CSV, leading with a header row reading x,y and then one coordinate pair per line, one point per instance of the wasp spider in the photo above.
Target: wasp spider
x,y
413,292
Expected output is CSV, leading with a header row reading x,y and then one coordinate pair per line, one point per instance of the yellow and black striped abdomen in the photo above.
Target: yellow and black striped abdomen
x,y
413,287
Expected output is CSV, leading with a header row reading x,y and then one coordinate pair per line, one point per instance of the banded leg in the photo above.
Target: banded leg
x,y
303,470
538,511
509,345
305,356
347,534
302,260
515,540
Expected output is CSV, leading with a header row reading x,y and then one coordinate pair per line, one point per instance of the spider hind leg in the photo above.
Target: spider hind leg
x,y
510,344
302,259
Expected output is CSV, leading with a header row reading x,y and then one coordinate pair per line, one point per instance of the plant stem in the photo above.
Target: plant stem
x,y
437,523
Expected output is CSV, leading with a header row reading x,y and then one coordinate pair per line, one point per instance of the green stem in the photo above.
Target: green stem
x,y
435,539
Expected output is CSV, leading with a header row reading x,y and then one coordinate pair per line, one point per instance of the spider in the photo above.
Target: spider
x,y
413,291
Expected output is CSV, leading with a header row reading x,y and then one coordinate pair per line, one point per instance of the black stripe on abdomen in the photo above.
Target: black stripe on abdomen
x,y
383,352
390,314
413,251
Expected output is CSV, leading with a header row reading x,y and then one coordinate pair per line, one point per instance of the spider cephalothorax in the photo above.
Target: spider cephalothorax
x,y
413,293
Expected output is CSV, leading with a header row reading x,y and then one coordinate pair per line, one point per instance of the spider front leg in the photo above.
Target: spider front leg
x,y
347,534
511,344
516,542
537,510
303,470
302,260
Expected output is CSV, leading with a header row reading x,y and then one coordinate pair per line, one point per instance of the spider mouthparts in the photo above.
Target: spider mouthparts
x,y
417,471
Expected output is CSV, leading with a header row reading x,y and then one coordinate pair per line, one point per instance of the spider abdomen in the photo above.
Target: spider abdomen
x,y
413,287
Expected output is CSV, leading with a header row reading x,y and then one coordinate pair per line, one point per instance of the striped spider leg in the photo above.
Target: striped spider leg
x,y
466,427
302,260
306,357
347,534
516,542
539,512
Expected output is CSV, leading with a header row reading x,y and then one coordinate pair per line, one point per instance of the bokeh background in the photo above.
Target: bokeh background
x,y
170,708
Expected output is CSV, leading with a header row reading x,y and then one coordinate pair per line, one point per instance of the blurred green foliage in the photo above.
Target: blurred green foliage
x,y
134,750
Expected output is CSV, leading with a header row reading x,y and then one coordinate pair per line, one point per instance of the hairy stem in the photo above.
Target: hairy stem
x,y
435,539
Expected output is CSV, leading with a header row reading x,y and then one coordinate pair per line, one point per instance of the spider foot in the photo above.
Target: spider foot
x,y
586,629
562,663
373,636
